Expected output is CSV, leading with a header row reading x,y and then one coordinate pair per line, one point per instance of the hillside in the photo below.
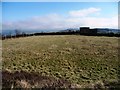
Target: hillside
x,y
81,60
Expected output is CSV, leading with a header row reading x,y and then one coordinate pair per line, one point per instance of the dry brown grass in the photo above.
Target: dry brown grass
x,y
82,60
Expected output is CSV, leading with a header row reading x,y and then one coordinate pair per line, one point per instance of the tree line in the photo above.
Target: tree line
x,y
18,34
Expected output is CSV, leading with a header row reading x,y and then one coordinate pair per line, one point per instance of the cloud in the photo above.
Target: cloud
x,y
57,22
51,21
84,12
95,22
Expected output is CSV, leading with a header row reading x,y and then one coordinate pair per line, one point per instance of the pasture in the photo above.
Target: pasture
x,y
82,60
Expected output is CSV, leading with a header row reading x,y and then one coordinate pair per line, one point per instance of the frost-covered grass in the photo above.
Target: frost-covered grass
x,y
79,59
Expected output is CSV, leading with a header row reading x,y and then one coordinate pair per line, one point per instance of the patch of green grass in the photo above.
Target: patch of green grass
x,y
80,59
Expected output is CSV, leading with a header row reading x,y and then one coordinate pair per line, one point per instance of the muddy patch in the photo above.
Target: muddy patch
x,y
24,79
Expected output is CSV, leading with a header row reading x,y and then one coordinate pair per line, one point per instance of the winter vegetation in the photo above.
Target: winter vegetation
x,y
60,45
82,31
71,61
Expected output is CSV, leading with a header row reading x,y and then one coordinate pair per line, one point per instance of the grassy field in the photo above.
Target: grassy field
x,y
82,60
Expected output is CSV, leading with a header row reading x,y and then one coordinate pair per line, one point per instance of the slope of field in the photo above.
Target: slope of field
x,y
82,60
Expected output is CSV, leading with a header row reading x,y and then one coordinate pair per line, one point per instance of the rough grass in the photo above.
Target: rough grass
x,y
82,60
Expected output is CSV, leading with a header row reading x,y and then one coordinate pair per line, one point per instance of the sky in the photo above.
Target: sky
x,y
58,15
60,0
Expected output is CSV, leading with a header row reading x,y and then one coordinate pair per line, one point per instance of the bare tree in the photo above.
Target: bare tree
x,y
10,34
17,32
23,34
0,36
